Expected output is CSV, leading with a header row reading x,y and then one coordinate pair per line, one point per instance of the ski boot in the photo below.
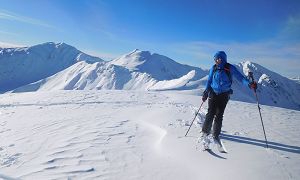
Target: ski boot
x,y
205,141
219,144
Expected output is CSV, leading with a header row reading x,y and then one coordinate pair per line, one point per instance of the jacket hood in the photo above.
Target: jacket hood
x,y
222,55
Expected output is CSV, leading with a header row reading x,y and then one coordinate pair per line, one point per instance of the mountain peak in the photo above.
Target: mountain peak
x,y
20,66
132,59
158,66
54,45
135,51
50,64
139,53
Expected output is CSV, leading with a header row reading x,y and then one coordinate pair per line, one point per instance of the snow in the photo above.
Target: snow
x,y
58,66
158,66
130,116
296,79
120,134
132,60
21,66
174,83
85,76
273,89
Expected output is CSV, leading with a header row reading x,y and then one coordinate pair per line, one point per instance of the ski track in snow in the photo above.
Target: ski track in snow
x,y
139,135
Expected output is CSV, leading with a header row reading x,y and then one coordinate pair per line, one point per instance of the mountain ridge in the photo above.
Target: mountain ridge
x,y
160,67
23,65
140,70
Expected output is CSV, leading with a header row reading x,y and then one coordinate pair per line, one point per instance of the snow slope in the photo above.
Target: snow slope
x,y
138,70
21,66
273,89
53,66
140,135
96,76
158,66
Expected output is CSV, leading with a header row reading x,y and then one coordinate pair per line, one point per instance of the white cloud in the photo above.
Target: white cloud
x,y
7,15
9,45
8,33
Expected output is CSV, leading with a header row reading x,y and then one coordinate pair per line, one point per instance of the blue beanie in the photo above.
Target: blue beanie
x,y
222,55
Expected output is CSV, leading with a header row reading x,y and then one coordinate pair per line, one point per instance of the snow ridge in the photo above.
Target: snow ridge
x,y
273,89
52,66
21,66
158,66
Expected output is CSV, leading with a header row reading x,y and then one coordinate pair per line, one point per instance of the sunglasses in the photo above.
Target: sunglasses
x,y
218,59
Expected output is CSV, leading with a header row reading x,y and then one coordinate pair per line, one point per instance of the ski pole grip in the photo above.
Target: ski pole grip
x,y
250,75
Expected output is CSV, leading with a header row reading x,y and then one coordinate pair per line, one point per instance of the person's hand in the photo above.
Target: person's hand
x,y
253,85
204,96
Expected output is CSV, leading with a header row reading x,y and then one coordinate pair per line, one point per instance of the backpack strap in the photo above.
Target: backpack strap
x,y
226,69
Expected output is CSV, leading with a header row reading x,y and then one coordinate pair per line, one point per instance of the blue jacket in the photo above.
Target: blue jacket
x,y
219,81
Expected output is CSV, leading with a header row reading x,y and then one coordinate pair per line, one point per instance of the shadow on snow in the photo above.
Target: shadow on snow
x,y
214,154
256,142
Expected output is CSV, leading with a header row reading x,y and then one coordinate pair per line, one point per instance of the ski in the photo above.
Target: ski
x,y
206,149
205,140
220,146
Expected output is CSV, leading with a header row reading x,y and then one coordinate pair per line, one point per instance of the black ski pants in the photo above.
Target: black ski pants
x,y
216,108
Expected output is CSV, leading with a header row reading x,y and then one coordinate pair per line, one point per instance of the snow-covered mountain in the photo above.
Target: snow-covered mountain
x,y
96,76
296,79
273,89
63,67
138,70
158,66
21,66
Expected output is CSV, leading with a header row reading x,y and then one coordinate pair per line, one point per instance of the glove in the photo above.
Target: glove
x,y
204,95
253,85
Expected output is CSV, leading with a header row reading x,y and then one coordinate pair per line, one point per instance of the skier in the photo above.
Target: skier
x,y
218,90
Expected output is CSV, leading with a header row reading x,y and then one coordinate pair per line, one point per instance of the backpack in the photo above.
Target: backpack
x,y
226,69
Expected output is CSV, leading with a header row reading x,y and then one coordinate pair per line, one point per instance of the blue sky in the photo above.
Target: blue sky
x,y
188,31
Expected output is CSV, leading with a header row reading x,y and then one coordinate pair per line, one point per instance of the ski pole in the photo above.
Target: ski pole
x,y
194,118
262,123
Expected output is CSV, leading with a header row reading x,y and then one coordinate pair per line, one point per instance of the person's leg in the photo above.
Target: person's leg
x,y
221,102
210,114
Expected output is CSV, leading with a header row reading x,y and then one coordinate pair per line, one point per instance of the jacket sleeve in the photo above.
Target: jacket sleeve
x,y
209,80
239,76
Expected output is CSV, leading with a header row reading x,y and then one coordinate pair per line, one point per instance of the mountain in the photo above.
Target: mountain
x,y
21,66
138,70
96,76
273,89
158,66
296,79
62,67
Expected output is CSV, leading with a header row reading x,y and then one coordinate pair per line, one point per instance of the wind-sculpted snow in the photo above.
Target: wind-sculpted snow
x,y
139,135
175,83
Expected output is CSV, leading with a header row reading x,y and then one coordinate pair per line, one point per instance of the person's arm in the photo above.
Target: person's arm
x,y
239,76
209,80
208,87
